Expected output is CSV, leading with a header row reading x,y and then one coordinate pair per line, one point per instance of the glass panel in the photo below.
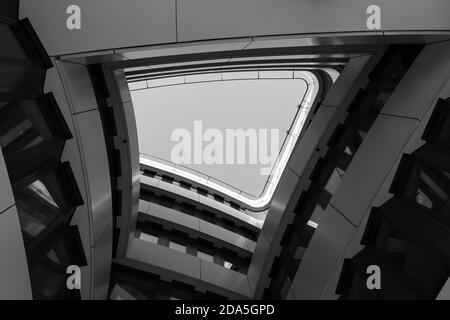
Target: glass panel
x,y
22,126
39,203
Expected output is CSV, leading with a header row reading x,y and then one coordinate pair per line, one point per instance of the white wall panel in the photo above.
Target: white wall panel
x,y
279,203
206,19
101,264
78,86
224,278
96,170
324,254
370,165
164,257
110,24
308,143
426,77
105,24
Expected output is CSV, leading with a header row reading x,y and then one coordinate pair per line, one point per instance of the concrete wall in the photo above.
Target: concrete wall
x,y
112,24
174,265
397,130
87,155
194,226
303,159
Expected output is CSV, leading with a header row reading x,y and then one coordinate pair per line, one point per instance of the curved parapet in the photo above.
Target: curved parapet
x,y
116,24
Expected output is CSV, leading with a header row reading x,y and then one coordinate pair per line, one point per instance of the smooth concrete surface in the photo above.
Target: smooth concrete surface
x,y
259,263
97,172
208,19
354,246
307,145
86,152
185,221
391,131
225,278
324,253
79,87
101,266
416,139
125,141
383,195
80,218
71,153
173,216
132,142
164,257
351,74
227,236
165,187
370,165
426,77
6,196
113,24
230,211
177,265
403,104
351,79
143,206
105,24
149,181
176,189
185,48
14,275
279,204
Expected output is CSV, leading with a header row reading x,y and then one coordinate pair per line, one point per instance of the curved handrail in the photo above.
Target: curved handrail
x,y
261,202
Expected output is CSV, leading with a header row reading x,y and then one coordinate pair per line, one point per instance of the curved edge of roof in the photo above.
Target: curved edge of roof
x,y
258,203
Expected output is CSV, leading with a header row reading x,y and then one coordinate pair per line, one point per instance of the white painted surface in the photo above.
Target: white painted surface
x,y
322,256
108,24
96,170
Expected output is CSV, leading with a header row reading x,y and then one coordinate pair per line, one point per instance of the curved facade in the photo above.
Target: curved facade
x,y
362,180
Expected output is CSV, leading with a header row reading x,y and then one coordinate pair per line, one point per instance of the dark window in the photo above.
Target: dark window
x,y
438,128
45,200
425,184
418,261
167,179
29,125
185,185
202,191
48,274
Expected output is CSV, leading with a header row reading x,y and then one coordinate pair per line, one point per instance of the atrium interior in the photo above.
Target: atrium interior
x,y
184,150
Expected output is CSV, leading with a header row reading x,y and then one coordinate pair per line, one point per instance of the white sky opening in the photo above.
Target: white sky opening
x,y
250,99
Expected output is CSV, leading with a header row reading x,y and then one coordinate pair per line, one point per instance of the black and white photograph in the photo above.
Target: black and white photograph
x,y
227,158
